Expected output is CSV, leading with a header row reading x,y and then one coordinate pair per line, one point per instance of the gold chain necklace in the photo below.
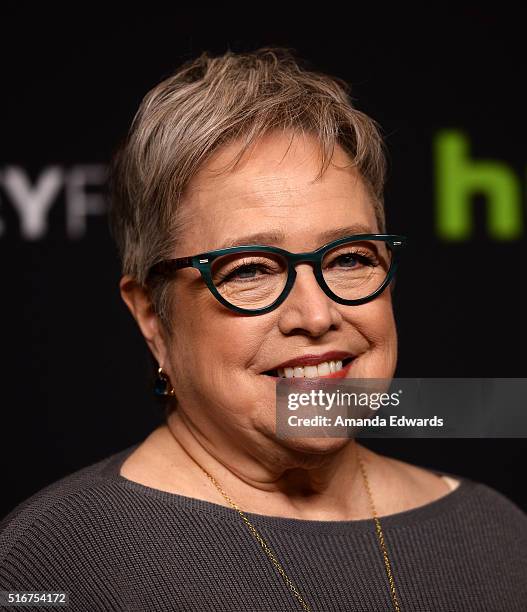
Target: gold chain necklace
x,y
272,556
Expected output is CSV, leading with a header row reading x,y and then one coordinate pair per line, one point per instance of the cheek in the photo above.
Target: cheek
x,y
375,322
210,339
377,319
380,323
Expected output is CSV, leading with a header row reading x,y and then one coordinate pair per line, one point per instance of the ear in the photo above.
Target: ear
x,y
138,301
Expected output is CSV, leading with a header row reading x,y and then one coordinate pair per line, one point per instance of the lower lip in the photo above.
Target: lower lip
x,y
340,374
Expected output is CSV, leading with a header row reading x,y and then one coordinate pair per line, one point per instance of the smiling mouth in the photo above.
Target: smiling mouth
x,y
322,370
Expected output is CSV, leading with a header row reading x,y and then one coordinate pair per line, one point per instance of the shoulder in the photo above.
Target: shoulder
x,y
68,537
57,491
67,510
413,486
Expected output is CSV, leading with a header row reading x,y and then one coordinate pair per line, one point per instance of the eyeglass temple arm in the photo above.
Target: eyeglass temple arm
x,y
170,265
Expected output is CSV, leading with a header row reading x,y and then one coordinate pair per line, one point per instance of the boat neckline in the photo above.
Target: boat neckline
x,y
111,467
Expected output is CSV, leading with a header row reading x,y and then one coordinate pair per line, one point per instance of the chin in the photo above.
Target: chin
x,y
316,446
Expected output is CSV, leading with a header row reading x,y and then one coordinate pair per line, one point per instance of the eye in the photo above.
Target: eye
x,y
247,271
353,259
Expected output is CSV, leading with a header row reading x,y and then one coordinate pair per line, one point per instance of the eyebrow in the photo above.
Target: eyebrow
x,y
277,237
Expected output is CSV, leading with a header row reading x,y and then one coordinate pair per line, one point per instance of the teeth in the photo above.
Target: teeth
x,y
322,369
310,371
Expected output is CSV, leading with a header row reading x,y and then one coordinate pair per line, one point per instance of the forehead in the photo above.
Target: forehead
x,y
272,191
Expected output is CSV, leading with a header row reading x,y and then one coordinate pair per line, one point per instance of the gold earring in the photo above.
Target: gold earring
x,y
162,384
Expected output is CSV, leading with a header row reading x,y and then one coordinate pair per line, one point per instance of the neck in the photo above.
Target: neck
x,y
269,478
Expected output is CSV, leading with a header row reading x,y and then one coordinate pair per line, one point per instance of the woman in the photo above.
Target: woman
x,y
213,511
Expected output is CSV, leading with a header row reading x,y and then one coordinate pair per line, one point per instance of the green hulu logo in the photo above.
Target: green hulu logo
x,y
459,178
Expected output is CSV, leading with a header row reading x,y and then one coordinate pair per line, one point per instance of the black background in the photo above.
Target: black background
x,y
75,371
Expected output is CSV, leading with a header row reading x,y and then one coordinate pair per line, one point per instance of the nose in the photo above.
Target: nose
x,y
307,309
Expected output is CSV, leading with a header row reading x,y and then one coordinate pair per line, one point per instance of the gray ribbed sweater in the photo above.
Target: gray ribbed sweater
x,y
114,544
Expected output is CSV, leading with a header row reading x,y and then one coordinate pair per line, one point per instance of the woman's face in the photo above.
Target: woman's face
x,y
217,358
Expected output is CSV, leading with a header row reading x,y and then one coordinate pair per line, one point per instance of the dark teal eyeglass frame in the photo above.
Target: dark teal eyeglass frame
x,y
203,261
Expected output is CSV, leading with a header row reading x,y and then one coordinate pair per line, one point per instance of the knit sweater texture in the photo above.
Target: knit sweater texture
x,y
114,544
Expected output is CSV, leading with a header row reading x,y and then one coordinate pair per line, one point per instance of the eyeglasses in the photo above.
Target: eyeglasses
x,y
256,279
